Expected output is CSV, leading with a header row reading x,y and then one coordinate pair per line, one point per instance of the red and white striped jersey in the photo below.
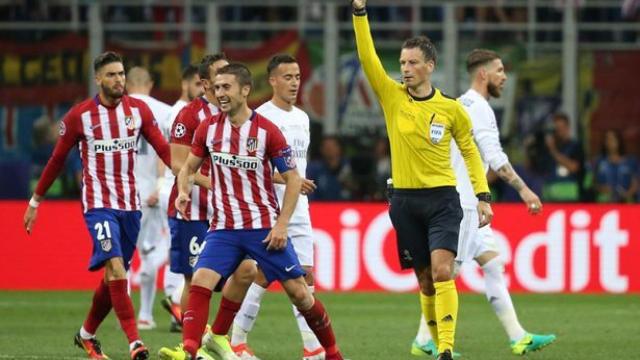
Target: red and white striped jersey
x,y
242,160
107,138
182,132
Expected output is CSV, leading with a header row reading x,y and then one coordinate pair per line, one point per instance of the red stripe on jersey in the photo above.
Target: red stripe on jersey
x,y
236,180
117,157
205,169
255,190
268,184
226,204
131,131
86,179
100,163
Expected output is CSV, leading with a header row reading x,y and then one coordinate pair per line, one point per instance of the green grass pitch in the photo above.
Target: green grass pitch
x,y
368,326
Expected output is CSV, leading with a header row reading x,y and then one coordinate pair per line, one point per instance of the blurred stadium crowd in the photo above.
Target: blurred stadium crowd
x,y
561,166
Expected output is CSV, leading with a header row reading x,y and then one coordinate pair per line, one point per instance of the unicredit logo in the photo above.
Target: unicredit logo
x,y
115,145
235,161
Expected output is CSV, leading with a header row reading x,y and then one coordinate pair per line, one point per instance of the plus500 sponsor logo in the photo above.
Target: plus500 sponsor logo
x,y
115,145
576,250
235,161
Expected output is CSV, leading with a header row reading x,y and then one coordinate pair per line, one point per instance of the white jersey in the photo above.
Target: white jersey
x,y
165,127
146,169
294,125
486,137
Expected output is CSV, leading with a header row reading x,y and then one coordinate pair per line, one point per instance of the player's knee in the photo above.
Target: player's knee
x,y
442,272
114,269
300,297
246,272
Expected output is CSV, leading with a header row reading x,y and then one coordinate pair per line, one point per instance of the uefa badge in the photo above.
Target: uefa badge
x,y
436,132
63,128
252,144
128,121
106,244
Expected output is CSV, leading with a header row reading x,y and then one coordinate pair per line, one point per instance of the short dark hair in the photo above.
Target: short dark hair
x,y
189,72
423,43
207,61
480,57
240,71
106,58
618,135
564,117
279,59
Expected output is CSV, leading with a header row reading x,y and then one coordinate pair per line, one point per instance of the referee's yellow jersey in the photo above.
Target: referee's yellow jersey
x,y
420,129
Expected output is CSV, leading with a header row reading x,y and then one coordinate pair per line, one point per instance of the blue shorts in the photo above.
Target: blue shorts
x,y
114,234
186,243
225,249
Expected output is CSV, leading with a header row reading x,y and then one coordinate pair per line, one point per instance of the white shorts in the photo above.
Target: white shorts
x,y
301,236
153,240
472,240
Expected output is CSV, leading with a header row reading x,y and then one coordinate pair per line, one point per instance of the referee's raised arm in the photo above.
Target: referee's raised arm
x,y
373,69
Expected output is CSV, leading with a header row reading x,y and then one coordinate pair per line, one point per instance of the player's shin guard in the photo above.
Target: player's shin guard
x,y
446,313
226,313
428,306
195,318
247,315
123,308
100,307
499,298
318,320
309,339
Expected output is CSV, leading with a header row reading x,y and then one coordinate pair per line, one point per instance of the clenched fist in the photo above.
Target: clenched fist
x,y
358,4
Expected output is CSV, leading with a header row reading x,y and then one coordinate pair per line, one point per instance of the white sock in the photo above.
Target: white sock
x,y
85,334
309,339
176,296
172,281
247,315
147,295
423,336
500,300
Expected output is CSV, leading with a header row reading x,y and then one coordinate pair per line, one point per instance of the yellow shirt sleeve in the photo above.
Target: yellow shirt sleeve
x,y
381,83
462,133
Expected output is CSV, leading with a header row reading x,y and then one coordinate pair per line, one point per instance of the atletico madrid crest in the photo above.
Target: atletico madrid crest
x,y
128,121
105,244
252,144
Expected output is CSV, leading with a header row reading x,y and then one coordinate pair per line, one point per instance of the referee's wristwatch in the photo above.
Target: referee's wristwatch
x,y
485,196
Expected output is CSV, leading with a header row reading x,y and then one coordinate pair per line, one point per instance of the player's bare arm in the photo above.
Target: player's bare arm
x,y
179,156
485,213
31,213
308,186
277,238
509,175
185,182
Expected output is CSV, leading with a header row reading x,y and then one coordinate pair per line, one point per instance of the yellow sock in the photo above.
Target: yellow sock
x,y
446,306
428,305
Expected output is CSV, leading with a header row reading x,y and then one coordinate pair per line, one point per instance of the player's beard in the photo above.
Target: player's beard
x,y
112,93
494,90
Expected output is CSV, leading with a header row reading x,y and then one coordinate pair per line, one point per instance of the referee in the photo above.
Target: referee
x,y
425,207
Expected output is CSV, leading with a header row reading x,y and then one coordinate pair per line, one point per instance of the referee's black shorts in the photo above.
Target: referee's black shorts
x,y
425,220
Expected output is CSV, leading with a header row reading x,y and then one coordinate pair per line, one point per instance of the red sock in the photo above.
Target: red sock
x,y
318,320
226,313
123,307
100,307
195,318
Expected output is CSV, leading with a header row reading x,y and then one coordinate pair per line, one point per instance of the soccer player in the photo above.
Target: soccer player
x,y
284,78
425,208
243,147
189,228
153,239
106,129
487,75
174,283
